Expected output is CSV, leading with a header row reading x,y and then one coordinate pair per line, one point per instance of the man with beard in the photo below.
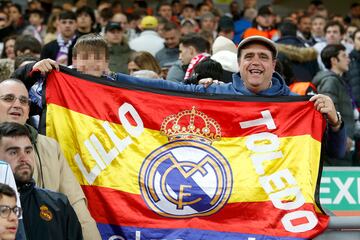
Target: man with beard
x,y
46,214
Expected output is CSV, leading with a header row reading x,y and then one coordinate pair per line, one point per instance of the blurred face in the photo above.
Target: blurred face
x,y
67,27
333,35
83,20
3,20
305,25
114,36
187,28
122,19
35,19
8,225
14,14
317,27
342,62
188,13
186,54
9,48
94,64
265,20
133,67
204,9
256,67
172,38
165,11
357,41
19,153
208,24
13,109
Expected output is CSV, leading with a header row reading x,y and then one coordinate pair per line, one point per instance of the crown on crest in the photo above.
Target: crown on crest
x,y
191,125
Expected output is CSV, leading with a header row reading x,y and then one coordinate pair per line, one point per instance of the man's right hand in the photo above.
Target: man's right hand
x,y
45,66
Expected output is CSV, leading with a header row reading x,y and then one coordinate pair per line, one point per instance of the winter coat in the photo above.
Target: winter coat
x,y
352,77
303,60
53,172
119,57
331,84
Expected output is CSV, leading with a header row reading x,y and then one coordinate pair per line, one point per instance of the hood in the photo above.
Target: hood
x,y
33,133
322,76
291,40
278,88
227,59
298,54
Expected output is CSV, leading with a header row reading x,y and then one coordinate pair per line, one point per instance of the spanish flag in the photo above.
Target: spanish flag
x,y
167,165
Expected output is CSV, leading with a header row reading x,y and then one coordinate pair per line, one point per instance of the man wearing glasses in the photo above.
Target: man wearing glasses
x,y
9,212
51,170
47,214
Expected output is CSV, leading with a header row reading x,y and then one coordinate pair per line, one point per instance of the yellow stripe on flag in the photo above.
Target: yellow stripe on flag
x,y
122,172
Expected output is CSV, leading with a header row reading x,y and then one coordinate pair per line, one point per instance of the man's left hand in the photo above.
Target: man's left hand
x,y
326,106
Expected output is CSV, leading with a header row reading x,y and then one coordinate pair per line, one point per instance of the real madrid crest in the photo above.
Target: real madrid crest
x,y
186,177
45,213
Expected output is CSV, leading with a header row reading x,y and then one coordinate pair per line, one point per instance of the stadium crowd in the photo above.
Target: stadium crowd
x,y
317,53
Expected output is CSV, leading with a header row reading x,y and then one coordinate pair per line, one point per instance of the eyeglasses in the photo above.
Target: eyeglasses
x,y
6,210
11,98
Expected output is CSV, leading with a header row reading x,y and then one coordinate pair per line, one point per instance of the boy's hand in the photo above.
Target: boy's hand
x,y
208,81
45,66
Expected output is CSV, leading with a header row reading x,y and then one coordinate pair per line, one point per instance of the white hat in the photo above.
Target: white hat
x,y
222,43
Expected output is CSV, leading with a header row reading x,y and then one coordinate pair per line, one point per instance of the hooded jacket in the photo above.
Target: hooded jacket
x,y
52,172
303,60
331,84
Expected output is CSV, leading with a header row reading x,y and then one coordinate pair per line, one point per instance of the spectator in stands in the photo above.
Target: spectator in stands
x,y
295,54
9,213
334,33
16,19
164,10
353,17
47,214
85,20
263,24
27,45
226,27
208,23
201,9
353,79
224,51
304,28
60,49
314,7
347,39
105,15
193,48
36,28
188,12
51,28
119,50
8,49
248,4
245,22
168,55
143,61
330,82
317,29
149,40
208,68
188,26
51,168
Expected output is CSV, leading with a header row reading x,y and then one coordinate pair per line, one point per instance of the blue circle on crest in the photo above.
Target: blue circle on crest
x,y
184,179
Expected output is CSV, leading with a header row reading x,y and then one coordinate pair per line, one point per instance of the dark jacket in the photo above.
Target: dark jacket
x,y
47,214
51,49
303,60
331,84
352,77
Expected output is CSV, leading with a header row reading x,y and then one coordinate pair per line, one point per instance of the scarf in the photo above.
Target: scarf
x,y
195,60
62,54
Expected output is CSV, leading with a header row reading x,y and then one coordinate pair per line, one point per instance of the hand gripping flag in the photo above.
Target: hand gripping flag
x,y
167,165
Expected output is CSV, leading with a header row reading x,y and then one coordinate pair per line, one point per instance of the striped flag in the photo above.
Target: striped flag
x,y
166,165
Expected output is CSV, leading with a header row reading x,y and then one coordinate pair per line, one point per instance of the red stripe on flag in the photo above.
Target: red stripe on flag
x,y
109,206
103,102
